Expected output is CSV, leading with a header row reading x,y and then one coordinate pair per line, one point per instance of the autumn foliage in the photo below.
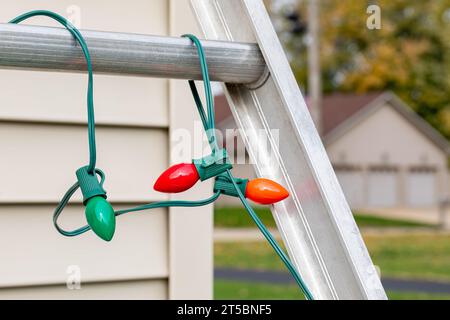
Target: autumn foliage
x,y
409,54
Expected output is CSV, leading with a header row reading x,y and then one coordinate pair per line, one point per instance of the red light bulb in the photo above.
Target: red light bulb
x,y
177,178
265,191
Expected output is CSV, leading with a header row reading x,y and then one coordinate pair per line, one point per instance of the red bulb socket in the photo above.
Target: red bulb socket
x,y
177,178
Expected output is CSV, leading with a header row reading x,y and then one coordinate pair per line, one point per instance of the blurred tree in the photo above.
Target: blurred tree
x,y
409,54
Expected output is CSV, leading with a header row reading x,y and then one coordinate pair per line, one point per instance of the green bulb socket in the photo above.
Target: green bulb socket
x,y
89,184
225,186
212,165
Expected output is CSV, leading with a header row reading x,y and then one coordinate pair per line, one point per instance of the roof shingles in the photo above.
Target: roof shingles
x,y
338,107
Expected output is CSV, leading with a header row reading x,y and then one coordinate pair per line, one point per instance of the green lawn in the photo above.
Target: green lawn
x,y
413,256
246,255
231,290
236,217
367,220
421,256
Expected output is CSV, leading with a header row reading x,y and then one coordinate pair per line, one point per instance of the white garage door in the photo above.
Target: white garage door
x,y
352,183
382,188
421,186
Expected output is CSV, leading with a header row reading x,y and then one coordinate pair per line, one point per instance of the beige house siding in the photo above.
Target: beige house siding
x,y
386,138
386,132
126,290
191,246
43,140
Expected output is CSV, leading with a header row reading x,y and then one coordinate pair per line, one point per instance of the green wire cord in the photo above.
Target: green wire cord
x,y
208,124
154,205
90,91
271,240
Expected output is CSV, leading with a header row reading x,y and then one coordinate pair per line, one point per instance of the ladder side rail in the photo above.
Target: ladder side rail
x,y
316,223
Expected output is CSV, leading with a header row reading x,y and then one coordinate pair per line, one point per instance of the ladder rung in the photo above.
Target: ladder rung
x,y
54,49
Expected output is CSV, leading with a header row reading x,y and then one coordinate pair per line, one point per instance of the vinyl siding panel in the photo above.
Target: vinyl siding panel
x,y
38,161
132,290
34,253
61,97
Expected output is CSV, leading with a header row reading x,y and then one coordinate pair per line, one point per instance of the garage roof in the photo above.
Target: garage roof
x,y
341,111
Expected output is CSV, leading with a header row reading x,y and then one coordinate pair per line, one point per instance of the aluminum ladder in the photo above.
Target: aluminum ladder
x,y
244,53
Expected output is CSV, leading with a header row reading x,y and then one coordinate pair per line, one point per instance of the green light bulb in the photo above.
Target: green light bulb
x,y
100,216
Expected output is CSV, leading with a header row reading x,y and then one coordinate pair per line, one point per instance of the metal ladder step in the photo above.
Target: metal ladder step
x,y
54,49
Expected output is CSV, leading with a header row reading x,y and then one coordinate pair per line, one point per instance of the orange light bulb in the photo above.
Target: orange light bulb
x,y
265,191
